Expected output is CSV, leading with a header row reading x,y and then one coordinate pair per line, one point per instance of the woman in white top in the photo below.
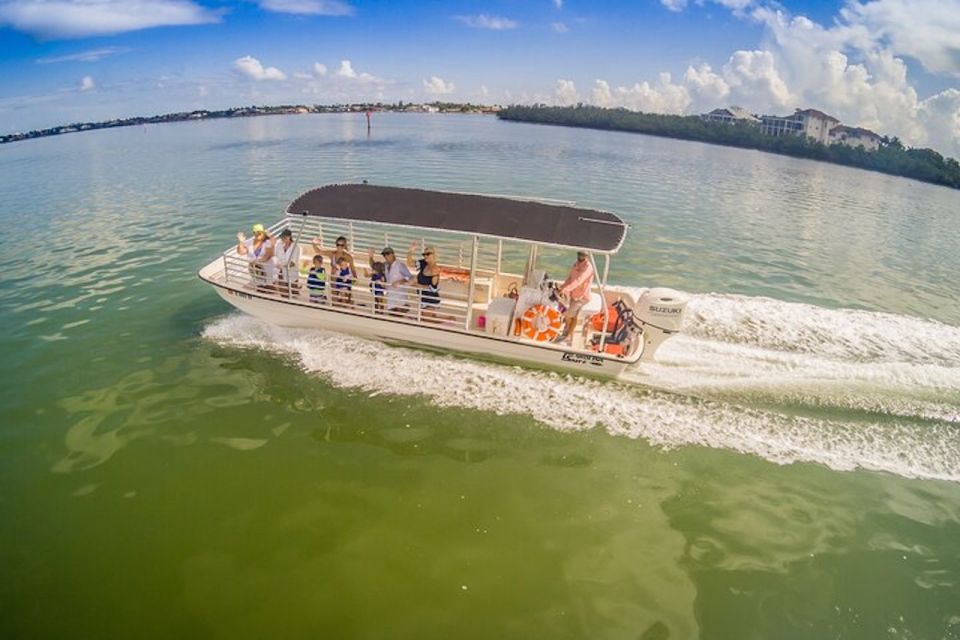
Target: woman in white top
x,y
288,262
259,253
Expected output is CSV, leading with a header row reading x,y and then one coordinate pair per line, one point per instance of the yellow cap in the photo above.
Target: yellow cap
x,y
258,228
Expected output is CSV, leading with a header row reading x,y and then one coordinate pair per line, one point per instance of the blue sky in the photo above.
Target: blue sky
x,y
890,65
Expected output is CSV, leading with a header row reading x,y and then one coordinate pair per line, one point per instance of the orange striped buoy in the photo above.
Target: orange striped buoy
x,y
541,323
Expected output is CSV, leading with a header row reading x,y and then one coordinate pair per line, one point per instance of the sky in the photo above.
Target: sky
x,y
892,66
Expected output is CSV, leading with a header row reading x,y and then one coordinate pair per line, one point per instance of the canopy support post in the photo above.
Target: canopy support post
x,y
602,281
531,263
296,243
473,274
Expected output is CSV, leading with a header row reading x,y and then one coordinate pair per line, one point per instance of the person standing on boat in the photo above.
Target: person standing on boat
x,y
339,252
288,261
344,277
397,276
576,291
317,281
259,253
428,278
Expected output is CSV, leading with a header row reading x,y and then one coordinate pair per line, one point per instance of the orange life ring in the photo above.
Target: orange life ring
x,y
541,322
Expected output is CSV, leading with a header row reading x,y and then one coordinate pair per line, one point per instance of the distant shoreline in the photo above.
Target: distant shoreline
x,y
892,158
249,112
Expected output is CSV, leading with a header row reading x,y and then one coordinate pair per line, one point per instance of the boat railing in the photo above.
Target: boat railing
x,y
454,249
356,295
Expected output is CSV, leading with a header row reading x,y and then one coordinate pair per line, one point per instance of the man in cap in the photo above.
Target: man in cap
x,y
397,275
576,292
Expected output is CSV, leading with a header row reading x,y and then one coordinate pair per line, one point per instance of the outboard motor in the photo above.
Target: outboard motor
x,y
660,312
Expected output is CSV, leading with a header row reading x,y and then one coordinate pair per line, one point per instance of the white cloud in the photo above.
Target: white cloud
x,y
735,5
852,69
346,70
319,69
706,88
251,68
308,7
91,55
437,86
81,18
558,4
483,21
565,93
940,115
560,27
87,83
927,30
662,97
753,76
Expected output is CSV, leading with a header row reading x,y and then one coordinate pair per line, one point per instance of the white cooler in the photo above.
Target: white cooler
x,y
500,315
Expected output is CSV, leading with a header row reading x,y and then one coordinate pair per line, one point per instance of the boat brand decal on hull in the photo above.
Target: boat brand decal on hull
x,y
582,358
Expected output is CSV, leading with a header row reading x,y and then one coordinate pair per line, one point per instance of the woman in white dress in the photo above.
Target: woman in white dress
x,y
259,253
288,263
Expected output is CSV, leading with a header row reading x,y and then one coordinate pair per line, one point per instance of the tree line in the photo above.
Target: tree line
x,y
892,157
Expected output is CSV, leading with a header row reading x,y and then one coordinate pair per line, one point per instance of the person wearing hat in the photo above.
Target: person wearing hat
x,y
259,253
288,262
428,278
576,291
396,276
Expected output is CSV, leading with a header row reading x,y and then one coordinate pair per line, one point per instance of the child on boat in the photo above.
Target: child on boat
x,y
343,282
378,278
317,281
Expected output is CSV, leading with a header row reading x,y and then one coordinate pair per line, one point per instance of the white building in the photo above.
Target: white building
x,y
730,115
855,137
814,124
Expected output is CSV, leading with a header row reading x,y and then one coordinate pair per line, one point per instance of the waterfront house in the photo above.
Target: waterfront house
x,y
731,115
855,137
812,123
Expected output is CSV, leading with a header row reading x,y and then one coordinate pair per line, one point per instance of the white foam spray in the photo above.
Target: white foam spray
x,y
763,350
714,360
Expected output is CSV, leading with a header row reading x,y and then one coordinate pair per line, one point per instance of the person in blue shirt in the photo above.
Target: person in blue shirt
x,y
343,282
317,281
378,278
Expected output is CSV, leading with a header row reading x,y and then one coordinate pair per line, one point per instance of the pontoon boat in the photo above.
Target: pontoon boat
x,y
496,301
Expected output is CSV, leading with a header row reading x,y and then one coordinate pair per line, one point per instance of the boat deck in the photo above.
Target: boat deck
x,y
233,271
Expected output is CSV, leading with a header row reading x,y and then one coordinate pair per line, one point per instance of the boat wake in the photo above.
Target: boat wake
x,y
784,381
767,352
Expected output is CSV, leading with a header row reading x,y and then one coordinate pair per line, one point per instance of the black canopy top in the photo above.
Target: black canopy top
x,y
485,215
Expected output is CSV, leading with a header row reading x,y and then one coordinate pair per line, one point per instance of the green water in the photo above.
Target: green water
x,y
169,468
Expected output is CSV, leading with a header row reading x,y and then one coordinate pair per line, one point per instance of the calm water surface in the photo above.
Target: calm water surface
x,y
170,468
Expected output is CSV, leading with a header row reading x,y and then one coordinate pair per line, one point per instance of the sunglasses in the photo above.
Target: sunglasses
x,y
427,253
341,244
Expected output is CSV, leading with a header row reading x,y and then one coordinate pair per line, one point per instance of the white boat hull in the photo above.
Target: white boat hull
x,y
290,313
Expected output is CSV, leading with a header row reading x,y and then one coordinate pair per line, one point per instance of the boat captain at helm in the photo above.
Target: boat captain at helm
x,y
576,292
